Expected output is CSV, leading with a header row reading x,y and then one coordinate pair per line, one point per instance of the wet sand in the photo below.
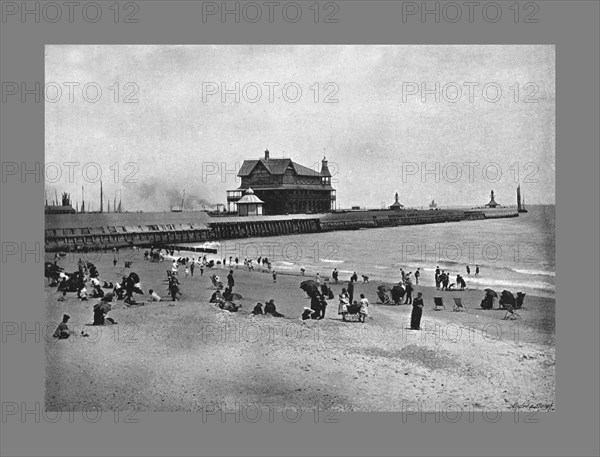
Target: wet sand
x,y
193,355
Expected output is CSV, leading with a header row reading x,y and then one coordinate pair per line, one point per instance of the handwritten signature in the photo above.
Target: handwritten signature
x,y
537,406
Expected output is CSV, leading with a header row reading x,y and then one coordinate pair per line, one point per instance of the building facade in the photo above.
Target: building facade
x,y
284,186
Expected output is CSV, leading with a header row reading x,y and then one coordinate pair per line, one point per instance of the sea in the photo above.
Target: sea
x,y
516,254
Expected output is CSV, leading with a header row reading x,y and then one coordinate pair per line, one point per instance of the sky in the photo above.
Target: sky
x,y
171,118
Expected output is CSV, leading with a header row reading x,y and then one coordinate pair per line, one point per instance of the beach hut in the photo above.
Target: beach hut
x,y
250,204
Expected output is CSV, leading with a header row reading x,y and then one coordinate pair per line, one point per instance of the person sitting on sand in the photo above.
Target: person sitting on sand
x,y
62,332
270,309
228,306
257,309
364,308
100,312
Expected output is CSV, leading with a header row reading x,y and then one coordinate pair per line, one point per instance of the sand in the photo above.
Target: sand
x,y
194,356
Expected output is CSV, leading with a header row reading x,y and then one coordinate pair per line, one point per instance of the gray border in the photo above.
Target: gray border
x,y
571,430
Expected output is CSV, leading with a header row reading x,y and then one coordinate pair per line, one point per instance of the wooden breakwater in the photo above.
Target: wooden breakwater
x,y
93,232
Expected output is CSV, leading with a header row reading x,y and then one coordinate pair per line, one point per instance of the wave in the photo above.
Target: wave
x,y
509,283
534,272
331,261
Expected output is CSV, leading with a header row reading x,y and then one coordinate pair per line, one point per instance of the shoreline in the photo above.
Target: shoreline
x,y
311,273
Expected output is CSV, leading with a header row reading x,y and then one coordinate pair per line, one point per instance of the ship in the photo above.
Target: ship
x,y
433,204
520,206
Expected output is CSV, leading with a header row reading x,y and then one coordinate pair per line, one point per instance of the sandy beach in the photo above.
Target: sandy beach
x,y
193,355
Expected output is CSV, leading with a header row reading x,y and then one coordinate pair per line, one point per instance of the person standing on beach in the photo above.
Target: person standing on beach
x,y
274,276
350,291
417,312
318,279
417,275
344,301
192,266
468,270
409,290
230,280
364,307
334,275
476,270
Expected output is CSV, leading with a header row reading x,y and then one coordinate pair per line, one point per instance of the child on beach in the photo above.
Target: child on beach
x,y
62,332
364,307
274,276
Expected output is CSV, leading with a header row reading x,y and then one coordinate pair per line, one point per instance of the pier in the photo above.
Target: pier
x,y
98,231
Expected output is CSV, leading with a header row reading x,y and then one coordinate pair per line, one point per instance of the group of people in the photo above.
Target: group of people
x,y
442,280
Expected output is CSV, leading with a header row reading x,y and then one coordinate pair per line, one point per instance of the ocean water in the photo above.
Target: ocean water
x,y
517,254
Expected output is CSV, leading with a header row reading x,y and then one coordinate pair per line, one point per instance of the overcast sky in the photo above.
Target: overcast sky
x,y
374,132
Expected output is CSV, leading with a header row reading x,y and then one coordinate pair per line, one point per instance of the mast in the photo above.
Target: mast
x,y
183,199
82,201
519,197
120,209
55,197
101,197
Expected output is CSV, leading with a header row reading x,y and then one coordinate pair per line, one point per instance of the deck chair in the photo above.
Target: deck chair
x,y
510,312
438,303
217,284
458,305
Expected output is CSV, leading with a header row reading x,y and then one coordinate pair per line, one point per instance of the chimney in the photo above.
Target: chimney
x,y
266,154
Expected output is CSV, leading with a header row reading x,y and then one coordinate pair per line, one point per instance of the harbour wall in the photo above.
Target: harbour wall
x,y
97,231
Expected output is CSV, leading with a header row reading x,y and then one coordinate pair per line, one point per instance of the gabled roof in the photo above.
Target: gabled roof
x,y
249,198
276,167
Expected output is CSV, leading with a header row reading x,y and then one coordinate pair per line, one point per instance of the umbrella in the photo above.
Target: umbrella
x,y
310,287
491,292
135,277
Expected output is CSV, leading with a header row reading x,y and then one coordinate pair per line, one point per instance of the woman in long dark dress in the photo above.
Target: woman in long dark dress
x,y
417,312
